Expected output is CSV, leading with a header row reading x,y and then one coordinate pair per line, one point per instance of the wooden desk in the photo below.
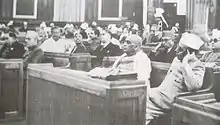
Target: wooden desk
x,y
11,89
62,96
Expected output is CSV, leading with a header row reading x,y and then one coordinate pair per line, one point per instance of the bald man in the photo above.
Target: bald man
x,y
34,54
135,59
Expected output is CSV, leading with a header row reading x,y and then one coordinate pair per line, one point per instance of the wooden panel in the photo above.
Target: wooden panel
x,y
25,7
58,59
91,12
110,8
158,73
53,102
7,8
45,10
11,88
80,61
128,8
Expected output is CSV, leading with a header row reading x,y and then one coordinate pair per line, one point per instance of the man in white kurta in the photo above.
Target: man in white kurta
x,y
135,59
57,45
185,74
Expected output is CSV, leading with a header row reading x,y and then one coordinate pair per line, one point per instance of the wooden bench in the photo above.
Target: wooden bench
x,y
78,61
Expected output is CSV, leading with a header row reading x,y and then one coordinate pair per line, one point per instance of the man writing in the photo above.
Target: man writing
x,y
185,74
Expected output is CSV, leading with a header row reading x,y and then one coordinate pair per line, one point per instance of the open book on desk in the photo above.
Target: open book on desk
x,y
112,74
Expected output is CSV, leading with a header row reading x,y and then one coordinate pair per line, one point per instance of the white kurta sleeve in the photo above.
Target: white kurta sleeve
x,y
142,66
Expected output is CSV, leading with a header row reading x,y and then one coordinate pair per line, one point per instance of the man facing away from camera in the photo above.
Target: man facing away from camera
x,y
185,74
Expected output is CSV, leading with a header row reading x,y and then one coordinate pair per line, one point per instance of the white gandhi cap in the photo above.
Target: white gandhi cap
x,y
191,40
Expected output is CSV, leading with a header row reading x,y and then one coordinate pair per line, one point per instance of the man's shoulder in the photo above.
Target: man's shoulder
x,y
38,51
49,40
17,45
142,54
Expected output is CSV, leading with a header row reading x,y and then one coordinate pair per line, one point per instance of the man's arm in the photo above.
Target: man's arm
x,y
35,57
143,69
193,77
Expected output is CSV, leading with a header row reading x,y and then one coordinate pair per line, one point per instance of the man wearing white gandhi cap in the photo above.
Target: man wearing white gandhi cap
x,y
185,74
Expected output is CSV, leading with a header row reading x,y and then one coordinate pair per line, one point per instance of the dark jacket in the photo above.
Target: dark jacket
x,y
80,48
16,50
109,50
34,56
92,45
162,55
23,29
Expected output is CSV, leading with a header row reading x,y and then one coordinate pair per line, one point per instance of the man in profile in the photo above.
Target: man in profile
x,y
133,60
185,74
34,53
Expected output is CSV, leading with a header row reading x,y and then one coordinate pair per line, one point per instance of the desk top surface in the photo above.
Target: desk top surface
x,y
78,79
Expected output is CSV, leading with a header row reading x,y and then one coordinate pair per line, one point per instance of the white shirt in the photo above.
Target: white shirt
x,y
60,46
140,64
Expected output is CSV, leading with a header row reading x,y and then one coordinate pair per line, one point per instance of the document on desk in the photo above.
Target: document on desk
x,y
111,74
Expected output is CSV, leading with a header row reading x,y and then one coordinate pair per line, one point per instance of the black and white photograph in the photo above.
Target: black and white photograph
x,y
109,62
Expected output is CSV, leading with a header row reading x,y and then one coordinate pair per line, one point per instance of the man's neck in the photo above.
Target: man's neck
x,y
54,39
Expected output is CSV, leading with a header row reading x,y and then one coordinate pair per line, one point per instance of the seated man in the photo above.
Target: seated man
x,y
185,74
213,55
107,48
135,59
12,49
80,47
51,44
34,53
94,41
24,27
164,52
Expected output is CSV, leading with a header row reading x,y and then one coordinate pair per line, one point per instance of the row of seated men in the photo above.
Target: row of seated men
x,y
89,39
185,74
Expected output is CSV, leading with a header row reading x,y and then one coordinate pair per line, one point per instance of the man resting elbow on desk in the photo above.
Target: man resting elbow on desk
x,y
134,59
185,74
